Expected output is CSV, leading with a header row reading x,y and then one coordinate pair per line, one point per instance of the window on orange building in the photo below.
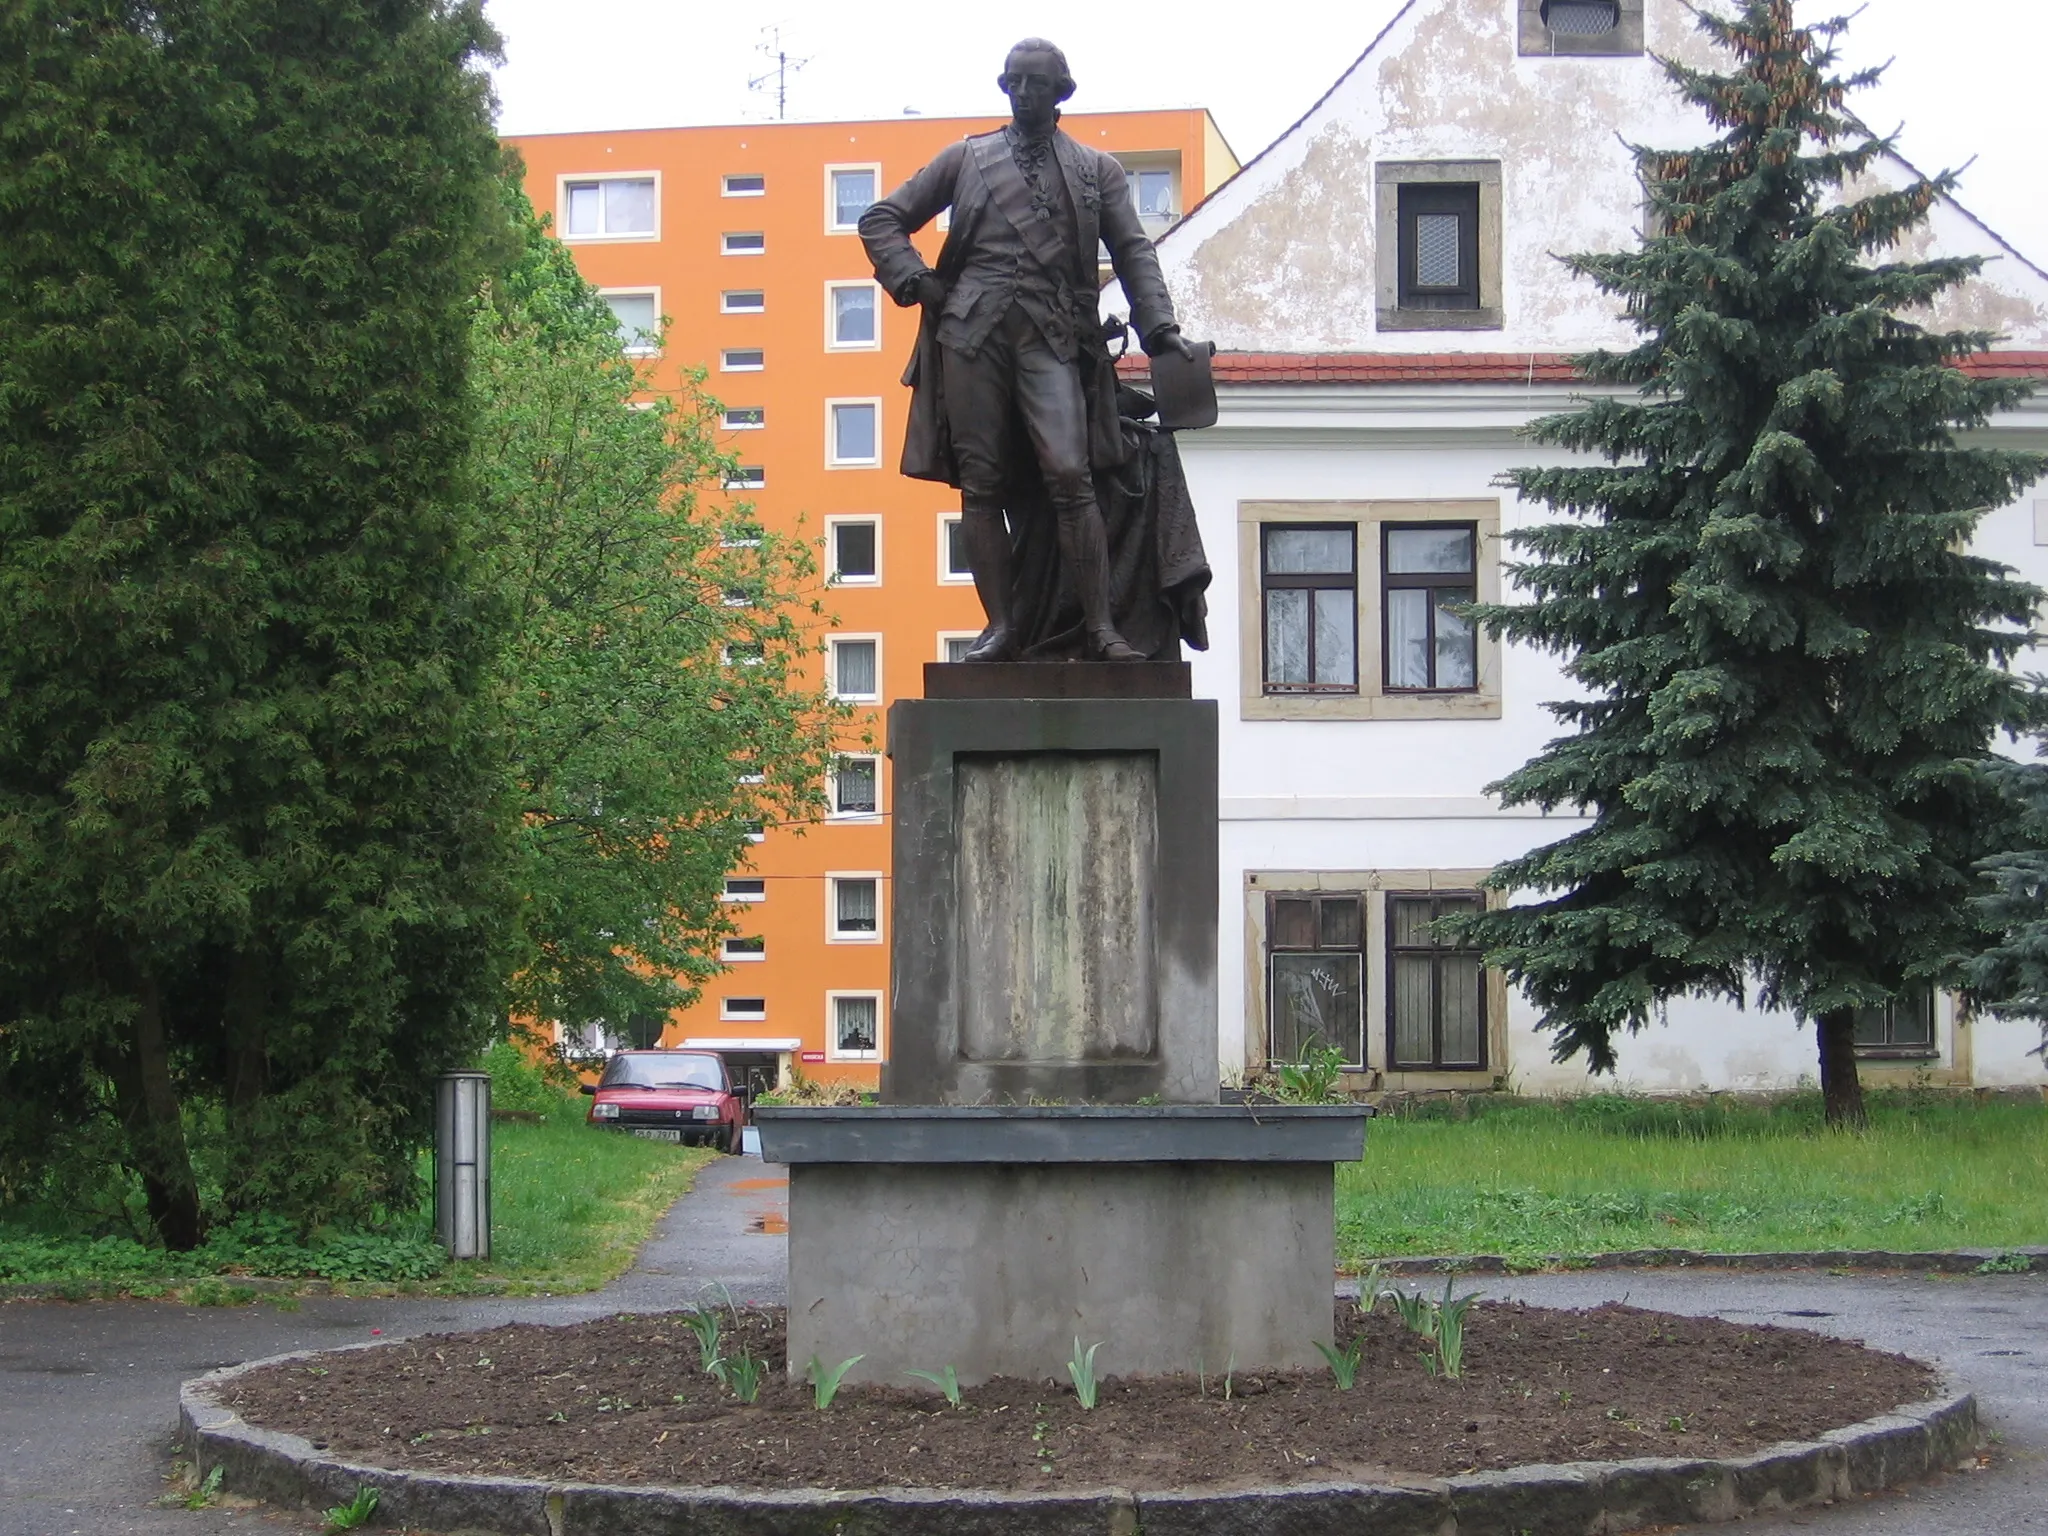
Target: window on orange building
x,y
614,205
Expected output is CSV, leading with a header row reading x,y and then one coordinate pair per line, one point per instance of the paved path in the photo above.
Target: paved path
x,y
87,1391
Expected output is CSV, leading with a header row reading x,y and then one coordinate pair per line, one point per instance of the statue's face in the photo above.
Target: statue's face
x,y
1031,80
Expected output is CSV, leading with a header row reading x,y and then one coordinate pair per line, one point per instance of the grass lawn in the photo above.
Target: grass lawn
x,y
1529,1179
570,1205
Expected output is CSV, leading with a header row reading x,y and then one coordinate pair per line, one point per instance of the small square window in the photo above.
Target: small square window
x,y
742,360
856,433
1151,193
1566,27
856,1024
854,319
1439,246
852,190
1310,582
746,888
742,301
856,907
755,831
746,1008
744,186
855,786
741,950
854,551
1428,573
621,205
954,648
745,418
1902,1028
953,562
639,324
856,668
749,243
747,477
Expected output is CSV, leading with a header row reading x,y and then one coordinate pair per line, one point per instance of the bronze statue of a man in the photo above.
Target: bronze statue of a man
x,y
1012,344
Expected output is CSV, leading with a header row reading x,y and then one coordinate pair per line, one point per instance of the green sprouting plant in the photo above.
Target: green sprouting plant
x,y
1418,1313
946,1379
1229,1371
356,1513
1372,1289
1313,1079
1450,1331
704,1323
743,1375
1082,1369
1344,1365
208,1489
825,1381
2007,1264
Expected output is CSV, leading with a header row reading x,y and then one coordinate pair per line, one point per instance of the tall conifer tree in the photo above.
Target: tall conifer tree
x,y
1791,663
251,794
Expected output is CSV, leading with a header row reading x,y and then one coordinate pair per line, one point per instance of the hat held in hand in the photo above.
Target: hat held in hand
x,y
1185,388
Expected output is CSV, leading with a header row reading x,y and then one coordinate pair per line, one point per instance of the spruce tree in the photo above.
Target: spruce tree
x,y
1791,662
2010,976
252,809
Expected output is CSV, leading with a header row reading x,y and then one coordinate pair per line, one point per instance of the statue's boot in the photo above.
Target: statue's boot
x,y
1085,546
988,557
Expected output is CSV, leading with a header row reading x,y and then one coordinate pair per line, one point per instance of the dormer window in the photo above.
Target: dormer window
x,y
1565,27
1438,229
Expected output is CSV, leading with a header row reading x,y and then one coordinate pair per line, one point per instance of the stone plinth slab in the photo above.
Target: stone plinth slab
x,y
1062,1133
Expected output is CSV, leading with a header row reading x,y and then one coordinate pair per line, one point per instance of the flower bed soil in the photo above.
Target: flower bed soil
x,y
621,1400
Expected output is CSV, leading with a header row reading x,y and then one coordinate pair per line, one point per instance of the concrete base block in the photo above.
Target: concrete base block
x,y
995,1268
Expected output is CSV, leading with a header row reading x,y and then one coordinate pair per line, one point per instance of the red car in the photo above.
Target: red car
x,y
682,1096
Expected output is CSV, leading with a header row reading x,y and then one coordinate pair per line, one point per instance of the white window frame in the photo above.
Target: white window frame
x,y
948,577
640,291
832,1051
832,226
832,644
748,477
727,365
746,896
948,635
729,956
832,459
834,934
727,307
832,341
727,424
832,811
726,188
562,183
749,1016
832,526
727,236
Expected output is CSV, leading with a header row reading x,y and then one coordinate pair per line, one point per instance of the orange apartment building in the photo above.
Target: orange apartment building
x,y
742,240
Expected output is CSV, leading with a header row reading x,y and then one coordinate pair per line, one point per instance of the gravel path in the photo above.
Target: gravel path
x,y
88,1390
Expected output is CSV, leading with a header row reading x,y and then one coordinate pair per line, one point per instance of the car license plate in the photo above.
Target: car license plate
x,y
652,1135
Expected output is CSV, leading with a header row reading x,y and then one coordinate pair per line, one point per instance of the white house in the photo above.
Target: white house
x,y
1382,285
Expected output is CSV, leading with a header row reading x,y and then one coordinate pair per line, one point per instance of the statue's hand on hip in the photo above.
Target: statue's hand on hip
x,y
931,291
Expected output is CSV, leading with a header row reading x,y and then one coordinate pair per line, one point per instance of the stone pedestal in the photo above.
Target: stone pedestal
x,y
1054,906
1180,1238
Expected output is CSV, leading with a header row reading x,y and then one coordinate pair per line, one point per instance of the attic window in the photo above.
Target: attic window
x,y
1581,18
1562,28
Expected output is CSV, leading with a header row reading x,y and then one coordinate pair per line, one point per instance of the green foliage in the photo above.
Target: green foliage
x,y
743,1376
650,661
703,1322
203,1496
521,1084
1081,1370
1313,1079
946,1379
825,1379
1790,661
252,837
355,1514
2007,1264
2010,976
1343,1363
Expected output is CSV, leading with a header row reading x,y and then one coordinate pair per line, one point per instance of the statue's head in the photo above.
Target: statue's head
x,y
1036,79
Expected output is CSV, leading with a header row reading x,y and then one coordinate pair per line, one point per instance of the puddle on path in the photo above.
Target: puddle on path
x,y
754,1186
774,1223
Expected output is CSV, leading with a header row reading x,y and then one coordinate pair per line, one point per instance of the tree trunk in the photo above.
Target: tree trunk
x,y
1841,1090
148,1104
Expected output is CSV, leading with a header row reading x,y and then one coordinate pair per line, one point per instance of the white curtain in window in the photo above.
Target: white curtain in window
x,y
853,316
586,205
1287,635
1336,661
1408,637
854,670
856,906
1457,658
629,207
855,1021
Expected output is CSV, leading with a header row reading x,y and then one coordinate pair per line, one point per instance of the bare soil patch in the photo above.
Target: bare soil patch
x,y
622,1400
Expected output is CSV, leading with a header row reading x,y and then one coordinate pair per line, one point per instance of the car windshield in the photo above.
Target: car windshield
x,y
634,1070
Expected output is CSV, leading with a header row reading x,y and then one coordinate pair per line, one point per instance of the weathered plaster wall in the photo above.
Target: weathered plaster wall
x,y
1282,258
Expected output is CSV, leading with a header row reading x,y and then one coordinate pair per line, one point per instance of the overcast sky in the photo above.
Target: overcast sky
x,y
1965,80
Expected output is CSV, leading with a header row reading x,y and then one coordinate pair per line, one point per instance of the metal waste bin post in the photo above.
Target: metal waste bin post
x,y
462,1164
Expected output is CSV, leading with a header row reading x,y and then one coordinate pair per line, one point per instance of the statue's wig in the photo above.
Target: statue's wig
x,y
1040,45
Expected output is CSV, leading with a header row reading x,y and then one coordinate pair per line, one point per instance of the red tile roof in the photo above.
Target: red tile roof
x,y
1479,367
